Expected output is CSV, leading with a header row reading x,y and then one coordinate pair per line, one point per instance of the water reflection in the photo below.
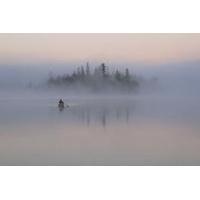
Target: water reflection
x,y
138,132
60,108
103,113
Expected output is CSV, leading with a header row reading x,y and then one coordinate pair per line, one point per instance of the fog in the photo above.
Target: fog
x,y
173,78
156,125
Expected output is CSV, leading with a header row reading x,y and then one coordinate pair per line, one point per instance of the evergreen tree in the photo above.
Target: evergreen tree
x,y
94,81
87,69
78,72
117,75
127,75
103,70
82,72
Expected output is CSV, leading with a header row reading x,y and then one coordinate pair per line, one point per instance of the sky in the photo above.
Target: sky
x,y
143,48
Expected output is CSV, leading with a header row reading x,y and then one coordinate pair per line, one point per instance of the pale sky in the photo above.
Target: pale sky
x,y
144,48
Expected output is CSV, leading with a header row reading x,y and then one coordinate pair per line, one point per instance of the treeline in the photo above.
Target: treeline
x,y
98,79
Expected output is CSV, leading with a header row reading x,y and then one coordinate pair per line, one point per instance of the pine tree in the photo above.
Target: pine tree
x,y
103,69
87,69
127,75
78,72
84,77
82,72
117,75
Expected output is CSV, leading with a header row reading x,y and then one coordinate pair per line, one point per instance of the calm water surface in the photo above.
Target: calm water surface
x,y
151,130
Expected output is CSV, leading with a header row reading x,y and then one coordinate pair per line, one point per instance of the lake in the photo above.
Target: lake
x,y
100,130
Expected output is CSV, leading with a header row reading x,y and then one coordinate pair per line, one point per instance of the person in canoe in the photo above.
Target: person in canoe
x,y
61,104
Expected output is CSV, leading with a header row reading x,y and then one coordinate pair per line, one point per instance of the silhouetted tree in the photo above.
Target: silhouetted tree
x,y
94,81
127,75
87,69
79,71
103,70
117,75
82,72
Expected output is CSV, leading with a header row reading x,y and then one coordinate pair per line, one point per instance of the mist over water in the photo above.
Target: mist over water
x,y
155,126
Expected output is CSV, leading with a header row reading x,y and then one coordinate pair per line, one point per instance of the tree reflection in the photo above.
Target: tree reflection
x,y
103,113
